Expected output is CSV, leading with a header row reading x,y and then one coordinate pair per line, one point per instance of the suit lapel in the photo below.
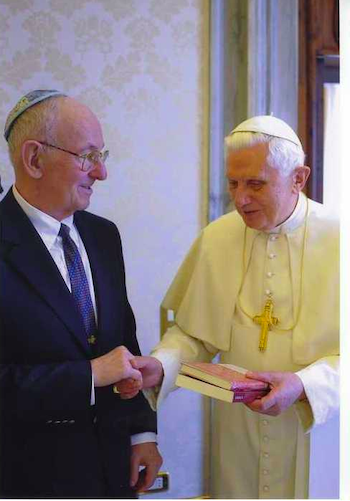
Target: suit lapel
x,y
27,254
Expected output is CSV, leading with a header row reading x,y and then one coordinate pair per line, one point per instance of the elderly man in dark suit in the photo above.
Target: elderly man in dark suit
x,y
67,331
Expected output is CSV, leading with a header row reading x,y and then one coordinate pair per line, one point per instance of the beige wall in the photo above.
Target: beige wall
x,y
142,66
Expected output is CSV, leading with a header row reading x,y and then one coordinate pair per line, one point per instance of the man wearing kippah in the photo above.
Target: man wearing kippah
x,y
67,329
278,251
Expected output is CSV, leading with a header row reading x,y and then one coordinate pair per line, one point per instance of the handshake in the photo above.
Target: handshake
x,y
128,373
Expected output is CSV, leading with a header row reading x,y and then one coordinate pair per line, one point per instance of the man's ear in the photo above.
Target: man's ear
x,y
31,153
300,176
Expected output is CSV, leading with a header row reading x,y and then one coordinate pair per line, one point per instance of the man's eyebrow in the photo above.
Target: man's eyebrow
x,y
93,147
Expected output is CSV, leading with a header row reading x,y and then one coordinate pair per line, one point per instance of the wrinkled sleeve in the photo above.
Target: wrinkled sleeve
x,y
321,384
174,348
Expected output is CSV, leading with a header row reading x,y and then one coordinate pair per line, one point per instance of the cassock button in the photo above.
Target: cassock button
x,y
266,454
266,488
272,255
265,438
269,274
268,292
265,472
274,237
265,422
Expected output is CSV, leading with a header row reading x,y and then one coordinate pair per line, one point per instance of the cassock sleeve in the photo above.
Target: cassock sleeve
x,y
174,348
321,384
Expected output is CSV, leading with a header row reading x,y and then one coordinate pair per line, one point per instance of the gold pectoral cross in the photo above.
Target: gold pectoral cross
x,y
266,320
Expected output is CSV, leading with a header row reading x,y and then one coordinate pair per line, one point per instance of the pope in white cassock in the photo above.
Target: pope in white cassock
x,y
277,250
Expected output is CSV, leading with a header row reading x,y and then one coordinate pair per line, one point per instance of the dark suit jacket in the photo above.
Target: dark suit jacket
x,y
52,443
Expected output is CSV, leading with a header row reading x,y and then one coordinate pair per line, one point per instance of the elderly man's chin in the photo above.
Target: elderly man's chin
x,y
254,219
82,199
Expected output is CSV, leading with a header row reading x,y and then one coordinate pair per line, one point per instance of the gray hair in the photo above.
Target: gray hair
x,y
283,154
38,122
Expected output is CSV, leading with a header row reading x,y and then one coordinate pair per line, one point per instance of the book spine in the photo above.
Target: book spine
x,y
248,396
242,386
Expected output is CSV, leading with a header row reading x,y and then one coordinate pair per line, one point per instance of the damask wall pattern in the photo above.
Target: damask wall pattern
x,y
142,66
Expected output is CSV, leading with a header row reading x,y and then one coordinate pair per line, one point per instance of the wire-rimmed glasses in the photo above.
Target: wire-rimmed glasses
x,y
90,160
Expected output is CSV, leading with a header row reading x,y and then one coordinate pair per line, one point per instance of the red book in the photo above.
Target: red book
x,y
220,381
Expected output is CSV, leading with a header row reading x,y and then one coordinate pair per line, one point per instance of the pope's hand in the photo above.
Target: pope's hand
x,y
152,375
286,388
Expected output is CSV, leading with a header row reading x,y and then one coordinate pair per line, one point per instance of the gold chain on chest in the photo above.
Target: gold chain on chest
x,y
266,319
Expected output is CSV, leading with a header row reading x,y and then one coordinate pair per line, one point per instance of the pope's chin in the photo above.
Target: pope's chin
x,y
253,220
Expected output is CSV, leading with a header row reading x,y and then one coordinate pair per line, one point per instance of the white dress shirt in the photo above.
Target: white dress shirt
x,y
48,229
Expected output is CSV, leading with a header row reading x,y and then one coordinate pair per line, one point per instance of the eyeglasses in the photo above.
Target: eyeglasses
x,y
90,160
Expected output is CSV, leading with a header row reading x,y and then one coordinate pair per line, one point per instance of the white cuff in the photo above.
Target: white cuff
x,y
171,362
321,385
141,438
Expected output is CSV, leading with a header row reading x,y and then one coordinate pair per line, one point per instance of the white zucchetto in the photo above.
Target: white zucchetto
x,y
267,124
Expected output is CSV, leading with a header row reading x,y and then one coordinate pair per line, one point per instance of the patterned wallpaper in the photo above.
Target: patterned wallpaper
x,y
142,66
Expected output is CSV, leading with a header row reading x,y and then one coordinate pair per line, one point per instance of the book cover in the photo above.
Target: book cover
x,y
229,377
244,396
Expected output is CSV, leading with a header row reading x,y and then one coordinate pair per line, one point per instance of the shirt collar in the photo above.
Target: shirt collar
x,y
296,218
47,226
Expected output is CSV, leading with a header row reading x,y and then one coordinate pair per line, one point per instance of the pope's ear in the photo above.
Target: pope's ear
x,y
300,176
32,161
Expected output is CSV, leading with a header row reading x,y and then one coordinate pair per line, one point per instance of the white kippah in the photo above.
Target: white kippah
x,y
267,124
26,102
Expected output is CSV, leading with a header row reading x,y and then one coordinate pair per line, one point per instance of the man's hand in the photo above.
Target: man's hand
x,y
152,375
114,366
147,455
286,388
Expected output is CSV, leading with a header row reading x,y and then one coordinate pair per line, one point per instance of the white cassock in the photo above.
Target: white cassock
x,y
214,300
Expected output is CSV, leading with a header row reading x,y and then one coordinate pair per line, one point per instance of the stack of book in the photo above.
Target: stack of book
x,y
221,381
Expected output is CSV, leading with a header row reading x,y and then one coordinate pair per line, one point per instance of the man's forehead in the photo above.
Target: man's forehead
x,y
78,124
255,155
261,174
70,106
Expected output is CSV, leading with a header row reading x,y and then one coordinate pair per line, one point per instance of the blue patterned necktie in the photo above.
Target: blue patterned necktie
x,y
79,283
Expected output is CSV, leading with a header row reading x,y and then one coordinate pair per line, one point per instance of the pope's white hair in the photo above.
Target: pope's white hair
x,y
283,154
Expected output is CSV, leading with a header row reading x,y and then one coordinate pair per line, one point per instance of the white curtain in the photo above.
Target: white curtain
x,y
331,157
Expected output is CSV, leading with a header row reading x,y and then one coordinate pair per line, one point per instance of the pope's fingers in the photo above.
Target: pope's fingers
x,y
264,403
267,377
272,411
135,374
139,362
